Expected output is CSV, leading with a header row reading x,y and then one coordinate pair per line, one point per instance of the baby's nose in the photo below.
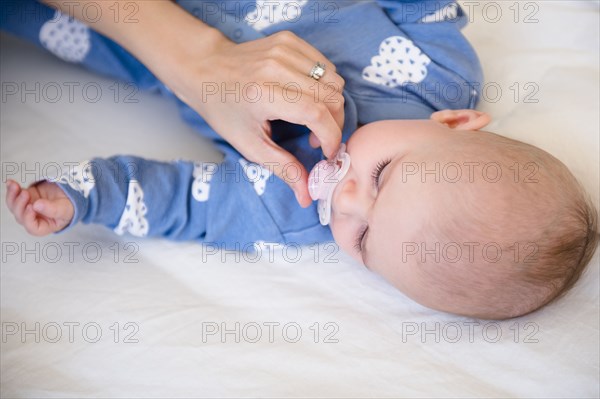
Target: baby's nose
x,y
348,200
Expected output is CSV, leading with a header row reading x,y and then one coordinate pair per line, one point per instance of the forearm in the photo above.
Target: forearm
x,y
159,33
138,196
218,203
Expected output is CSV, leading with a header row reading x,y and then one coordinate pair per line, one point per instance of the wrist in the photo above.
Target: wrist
x,y
181,64
167,38
79,204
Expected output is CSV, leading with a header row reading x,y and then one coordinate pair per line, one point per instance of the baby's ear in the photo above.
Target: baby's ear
x,y
462,119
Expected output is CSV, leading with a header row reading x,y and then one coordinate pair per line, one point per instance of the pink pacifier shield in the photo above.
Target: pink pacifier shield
x,y
323,179
319,180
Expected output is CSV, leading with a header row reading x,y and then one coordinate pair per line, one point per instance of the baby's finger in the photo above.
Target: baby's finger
x,y
285,166
35,225
29,220
56,209
19,205
12,190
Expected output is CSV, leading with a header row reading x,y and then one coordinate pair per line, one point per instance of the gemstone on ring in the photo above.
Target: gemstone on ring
x,y
317,71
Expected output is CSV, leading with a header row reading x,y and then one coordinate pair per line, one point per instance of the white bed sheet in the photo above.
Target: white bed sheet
x,y
177,289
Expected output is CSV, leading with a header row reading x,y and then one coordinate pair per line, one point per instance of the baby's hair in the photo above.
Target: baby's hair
x,y
577,250
556,214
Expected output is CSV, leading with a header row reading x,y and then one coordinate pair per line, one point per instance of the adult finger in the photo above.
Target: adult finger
x,y
284,165
313,140
298,86
304,64
316,116
313,55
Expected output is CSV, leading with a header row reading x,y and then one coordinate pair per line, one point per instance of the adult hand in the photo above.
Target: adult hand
x,y
269,75
239,88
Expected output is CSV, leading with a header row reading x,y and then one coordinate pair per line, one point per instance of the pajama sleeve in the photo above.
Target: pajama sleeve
x,y
210,202
73,41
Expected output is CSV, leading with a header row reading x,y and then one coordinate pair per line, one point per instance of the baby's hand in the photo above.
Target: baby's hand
x,y
42,208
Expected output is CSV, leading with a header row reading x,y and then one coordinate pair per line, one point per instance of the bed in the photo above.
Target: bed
x,y
91,314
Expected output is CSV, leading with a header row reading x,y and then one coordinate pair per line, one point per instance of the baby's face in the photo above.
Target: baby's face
x,y
374,204
381,204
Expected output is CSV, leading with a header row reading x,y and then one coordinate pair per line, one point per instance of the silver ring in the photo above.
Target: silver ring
x,y
317,71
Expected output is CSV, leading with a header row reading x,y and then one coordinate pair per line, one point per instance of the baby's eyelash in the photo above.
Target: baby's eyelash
x,y
378,169
359,239
375,175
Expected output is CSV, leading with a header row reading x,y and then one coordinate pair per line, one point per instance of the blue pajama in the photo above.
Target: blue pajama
x,y
400,60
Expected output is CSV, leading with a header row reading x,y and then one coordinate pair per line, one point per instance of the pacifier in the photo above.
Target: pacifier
x,y
324,178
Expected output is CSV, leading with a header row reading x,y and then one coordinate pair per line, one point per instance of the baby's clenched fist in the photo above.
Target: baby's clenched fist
x,y
43,208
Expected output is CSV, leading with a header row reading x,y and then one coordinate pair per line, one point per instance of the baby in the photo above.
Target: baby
x,y
459,219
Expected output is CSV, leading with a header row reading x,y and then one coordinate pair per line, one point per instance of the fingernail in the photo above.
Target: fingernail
x,y
38,206
297,197
334,152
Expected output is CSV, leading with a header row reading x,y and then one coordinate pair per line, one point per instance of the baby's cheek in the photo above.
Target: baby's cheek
x,y
343,235
400,271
